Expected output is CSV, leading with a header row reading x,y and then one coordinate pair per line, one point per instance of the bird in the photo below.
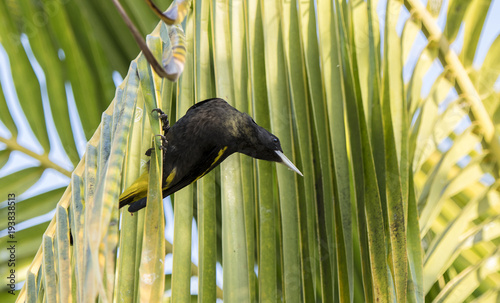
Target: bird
x,y
209,132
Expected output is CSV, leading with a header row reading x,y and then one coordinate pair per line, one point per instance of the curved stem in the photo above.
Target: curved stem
x,y
160,71
44,159
463,84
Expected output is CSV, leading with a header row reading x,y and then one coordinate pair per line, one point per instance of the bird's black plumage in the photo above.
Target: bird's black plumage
x,y
210,131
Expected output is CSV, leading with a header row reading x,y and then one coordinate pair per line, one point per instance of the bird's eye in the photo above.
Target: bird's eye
x,y
275,140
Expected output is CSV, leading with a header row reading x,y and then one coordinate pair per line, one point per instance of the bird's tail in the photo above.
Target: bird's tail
x,y
136,191
127,201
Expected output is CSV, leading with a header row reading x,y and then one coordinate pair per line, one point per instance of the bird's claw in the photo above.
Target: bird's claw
x,y
164,142
163,138
148,152
163,145
159,111
164,119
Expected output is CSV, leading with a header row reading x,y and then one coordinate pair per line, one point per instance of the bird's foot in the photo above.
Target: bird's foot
x,y
164,119
163,145
161,114
164,142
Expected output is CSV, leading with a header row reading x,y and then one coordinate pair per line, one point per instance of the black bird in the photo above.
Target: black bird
x,y
210,131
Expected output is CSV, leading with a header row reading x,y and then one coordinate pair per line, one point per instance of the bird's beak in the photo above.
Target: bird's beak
x,y
287,162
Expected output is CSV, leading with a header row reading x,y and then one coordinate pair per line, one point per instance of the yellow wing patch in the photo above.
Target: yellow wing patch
x,y
170,177
221,152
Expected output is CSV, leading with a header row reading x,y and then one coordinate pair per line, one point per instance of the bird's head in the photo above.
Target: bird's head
x,y
261,144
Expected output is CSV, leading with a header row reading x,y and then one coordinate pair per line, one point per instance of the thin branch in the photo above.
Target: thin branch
x,y
463,84
174,14
140,41
164,17
44,159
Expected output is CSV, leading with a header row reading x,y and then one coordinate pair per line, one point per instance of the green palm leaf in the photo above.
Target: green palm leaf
x,y
399,199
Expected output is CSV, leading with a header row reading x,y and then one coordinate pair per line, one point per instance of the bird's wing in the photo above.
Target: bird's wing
x,y
205,164
185,176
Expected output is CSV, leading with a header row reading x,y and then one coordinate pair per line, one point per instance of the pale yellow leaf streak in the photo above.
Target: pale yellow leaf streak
x,y
463,83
